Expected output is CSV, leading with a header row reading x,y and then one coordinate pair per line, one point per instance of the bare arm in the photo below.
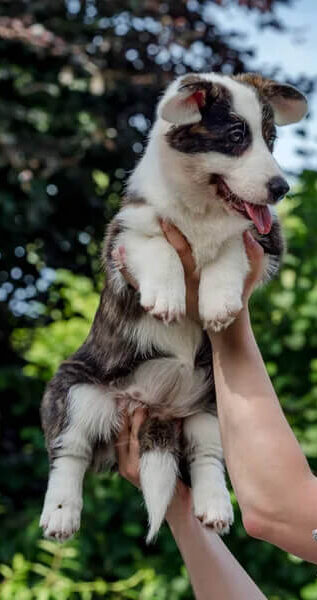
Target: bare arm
x,y
275,488
213,570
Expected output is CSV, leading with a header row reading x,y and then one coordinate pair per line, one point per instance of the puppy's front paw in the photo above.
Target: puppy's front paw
x,y
166,304
218,312
60,520
213,507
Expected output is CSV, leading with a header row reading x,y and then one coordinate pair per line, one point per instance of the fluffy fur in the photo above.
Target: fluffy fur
x,y
209,154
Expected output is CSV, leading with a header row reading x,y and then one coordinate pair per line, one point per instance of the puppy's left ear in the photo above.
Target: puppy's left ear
x,y
181,105
289,105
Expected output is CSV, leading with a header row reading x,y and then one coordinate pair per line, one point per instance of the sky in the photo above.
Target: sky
x,y
294,52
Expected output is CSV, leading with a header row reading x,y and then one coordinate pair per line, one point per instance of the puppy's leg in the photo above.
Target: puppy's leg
x,y
204,454
91,416
221,286
155,265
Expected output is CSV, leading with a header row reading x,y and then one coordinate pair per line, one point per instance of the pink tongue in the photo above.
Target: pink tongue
x,y
260,216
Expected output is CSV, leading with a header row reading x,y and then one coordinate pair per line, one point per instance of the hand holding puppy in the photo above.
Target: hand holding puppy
x,y
253,249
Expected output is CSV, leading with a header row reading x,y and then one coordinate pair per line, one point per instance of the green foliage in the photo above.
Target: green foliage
x,y
45,347
51,578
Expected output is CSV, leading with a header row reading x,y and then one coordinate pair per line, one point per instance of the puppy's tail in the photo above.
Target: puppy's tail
x,y
158,469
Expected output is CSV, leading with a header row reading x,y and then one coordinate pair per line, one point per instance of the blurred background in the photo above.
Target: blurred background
x,y
79,82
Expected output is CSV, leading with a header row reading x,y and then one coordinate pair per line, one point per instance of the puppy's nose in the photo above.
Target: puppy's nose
x,y
278,187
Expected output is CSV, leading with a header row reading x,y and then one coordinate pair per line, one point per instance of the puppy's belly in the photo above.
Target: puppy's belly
x,y
169,387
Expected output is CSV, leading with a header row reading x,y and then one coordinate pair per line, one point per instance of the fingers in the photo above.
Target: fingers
x,y
254,250
122,443
119,257
127,446
181,245
255,255
136,421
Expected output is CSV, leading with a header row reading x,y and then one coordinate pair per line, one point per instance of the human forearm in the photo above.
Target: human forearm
x,y
213,570
268,470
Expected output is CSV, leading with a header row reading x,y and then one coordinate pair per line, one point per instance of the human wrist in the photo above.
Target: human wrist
x,y
180,508
237,333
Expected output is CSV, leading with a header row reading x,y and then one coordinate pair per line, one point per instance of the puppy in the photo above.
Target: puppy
x,y
208,169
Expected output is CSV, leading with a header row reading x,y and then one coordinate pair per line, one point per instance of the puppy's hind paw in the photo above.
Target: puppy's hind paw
x,y
60,521
213,507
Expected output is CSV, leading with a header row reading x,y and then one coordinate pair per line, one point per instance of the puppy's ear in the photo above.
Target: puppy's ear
x,y
289,105
181,105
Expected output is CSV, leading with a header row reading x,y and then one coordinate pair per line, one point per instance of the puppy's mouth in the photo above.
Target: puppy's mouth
x,y
258,213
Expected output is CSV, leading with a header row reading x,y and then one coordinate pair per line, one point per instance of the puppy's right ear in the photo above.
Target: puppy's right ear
x,y
181,105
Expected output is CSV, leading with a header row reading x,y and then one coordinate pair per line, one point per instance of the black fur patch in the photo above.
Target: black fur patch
x,y
133,200
273,242
155,433
220,129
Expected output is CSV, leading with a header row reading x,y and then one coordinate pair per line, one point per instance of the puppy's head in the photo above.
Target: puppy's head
x,y
221,131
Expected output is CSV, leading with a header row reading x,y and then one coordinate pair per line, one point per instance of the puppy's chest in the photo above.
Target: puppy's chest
x,y
205,235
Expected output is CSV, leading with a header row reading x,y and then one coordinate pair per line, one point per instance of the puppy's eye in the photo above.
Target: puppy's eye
x,y
236,136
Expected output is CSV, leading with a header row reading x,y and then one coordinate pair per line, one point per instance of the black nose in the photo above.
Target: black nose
x,y
278,187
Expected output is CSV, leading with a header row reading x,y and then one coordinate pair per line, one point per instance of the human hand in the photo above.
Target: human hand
x,y
191,274
253,249
128,456
254,252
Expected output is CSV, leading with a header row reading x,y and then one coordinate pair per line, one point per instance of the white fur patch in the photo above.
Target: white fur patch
x,y
158,473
